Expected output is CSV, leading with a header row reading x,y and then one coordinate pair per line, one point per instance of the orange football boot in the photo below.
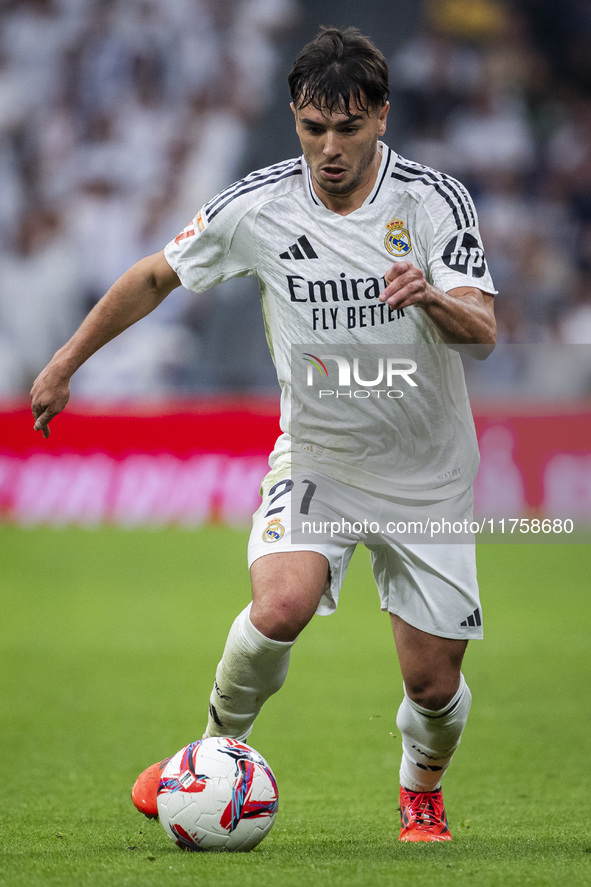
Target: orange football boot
x,y
145,789
422,815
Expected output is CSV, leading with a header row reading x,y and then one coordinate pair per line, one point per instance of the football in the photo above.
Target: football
x,y
217,794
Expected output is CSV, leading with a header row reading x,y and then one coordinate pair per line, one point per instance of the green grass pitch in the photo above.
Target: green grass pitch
x,y
109,640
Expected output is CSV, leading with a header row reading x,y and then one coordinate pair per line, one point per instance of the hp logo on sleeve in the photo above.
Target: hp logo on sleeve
x,y
463,253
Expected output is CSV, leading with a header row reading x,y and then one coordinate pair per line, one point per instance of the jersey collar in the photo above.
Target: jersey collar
x,y
387,162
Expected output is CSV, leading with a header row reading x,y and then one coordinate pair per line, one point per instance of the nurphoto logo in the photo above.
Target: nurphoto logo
x,y
377,380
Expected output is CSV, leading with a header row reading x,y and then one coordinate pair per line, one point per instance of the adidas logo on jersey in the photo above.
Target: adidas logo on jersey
x,y
301,249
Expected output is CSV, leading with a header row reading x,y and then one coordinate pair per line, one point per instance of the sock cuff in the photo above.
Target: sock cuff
x,y
255,638
451,705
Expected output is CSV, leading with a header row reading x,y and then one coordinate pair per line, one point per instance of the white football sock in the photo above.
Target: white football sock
x,y
429,739
252,668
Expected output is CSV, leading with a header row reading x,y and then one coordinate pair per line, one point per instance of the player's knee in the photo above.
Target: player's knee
x,y
281,617
432,691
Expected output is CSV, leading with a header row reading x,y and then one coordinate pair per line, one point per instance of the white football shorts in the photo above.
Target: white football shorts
x,y
422,552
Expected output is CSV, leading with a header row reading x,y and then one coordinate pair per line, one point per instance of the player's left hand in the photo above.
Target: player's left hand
x,y
406,285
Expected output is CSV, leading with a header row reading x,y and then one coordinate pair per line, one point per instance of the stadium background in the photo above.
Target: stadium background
x,y
118,120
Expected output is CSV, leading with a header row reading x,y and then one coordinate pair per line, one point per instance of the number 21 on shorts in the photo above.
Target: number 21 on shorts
x,y
277,501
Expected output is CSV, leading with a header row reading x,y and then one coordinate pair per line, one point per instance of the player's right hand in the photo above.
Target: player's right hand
x,y
49,395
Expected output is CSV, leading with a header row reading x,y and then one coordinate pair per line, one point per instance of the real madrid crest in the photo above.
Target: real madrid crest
x,y
397,238
274,531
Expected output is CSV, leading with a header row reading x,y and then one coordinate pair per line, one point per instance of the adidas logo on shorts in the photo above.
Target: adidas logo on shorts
x,y
473,620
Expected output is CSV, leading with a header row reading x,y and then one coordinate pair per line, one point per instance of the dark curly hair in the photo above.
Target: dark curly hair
x,y
339,69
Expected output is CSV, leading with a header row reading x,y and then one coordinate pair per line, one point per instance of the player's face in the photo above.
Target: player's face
x,y
341,152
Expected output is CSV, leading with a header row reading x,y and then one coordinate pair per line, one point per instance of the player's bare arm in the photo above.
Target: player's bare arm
x,y
134,295
464,315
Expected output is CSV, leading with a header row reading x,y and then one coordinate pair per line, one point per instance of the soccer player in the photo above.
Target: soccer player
x,y
354,248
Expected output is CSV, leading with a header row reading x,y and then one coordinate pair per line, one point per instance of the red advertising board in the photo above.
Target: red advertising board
x,y
534,461
188,463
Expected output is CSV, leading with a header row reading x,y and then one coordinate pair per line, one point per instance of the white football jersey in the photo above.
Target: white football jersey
x,y
320,276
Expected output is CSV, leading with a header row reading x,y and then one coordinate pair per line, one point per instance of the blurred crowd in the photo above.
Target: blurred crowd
x,y
498,94
118,120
